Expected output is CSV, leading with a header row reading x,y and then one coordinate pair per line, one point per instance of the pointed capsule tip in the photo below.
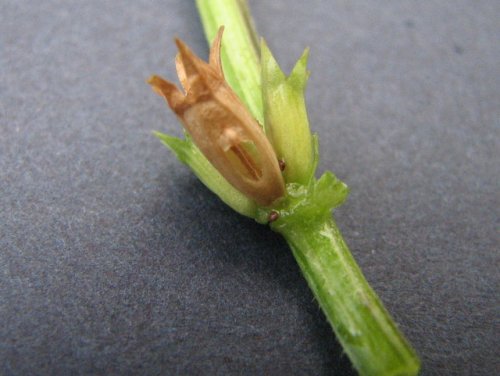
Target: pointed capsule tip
x,y
181,46
185,52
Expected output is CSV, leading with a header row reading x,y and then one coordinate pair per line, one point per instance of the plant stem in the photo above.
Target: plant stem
x,y
363,326
240,48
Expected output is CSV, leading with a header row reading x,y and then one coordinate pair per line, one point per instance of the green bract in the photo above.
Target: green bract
x,y
285,114
187,152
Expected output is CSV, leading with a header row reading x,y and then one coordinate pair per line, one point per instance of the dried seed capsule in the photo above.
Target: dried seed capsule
x,y
221,126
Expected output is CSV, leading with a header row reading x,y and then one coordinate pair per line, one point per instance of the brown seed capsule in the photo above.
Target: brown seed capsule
x,y
221,126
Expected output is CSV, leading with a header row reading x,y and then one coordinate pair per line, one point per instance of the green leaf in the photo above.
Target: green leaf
x,y
187,152
286,122
303,204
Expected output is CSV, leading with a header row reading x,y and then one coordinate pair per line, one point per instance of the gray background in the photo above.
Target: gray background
x,y
114,259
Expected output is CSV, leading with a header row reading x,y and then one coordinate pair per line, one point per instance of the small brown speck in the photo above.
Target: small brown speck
x,y
273,216
282,164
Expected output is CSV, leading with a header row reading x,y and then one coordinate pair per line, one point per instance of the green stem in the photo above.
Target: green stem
x,y
363,326
240,48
